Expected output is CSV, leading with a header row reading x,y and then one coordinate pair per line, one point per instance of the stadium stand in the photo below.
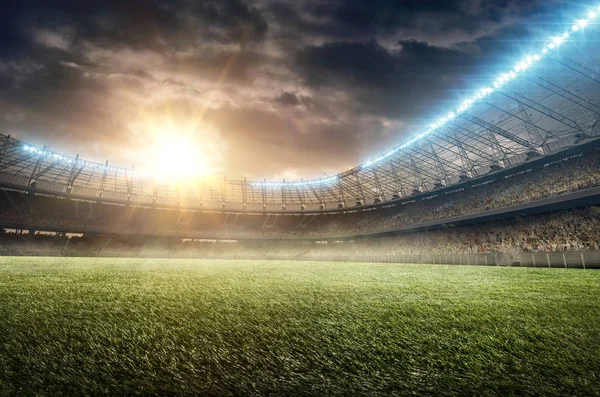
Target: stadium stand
x,y
570,231
545,207
575,173
38,224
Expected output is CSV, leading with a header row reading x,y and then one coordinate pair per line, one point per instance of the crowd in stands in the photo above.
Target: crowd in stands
x,y
573,230
569,175
560,177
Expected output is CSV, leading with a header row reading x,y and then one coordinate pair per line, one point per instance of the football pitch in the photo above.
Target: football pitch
x,y
73,326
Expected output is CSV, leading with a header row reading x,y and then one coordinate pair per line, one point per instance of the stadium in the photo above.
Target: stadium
x,y
460,262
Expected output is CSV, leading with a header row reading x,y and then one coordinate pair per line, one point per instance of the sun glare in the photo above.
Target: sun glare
x,y
179,157
177,151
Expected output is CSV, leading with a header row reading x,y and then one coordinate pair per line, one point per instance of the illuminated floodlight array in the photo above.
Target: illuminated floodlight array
x,y
322,181
552,44
69,160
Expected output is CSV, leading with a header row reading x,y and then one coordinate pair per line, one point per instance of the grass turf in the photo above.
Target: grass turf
x,y
198,327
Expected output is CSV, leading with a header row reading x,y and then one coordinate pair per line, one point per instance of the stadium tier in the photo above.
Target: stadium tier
x,y
568,238
498,219
565,180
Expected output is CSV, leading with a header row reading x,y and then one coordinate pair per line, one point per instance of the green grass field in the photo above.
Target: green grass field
x,y
187,327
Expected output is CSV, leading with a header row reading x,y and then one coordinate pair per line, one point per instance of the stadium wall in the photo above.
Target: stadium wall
x,y
567,259
550,204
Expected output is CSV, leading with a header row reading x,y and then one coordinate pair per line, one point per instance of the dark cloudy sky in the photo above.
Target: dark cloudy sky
x,y
275,88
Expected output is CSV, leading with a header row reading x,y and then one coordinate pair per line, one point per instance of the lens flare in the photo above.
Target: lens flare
x,y
176,150
180,157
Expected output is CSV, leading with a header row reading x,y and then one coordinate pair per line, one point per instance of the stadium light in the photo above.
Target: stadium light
x,y
87,164
503,79
322,181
